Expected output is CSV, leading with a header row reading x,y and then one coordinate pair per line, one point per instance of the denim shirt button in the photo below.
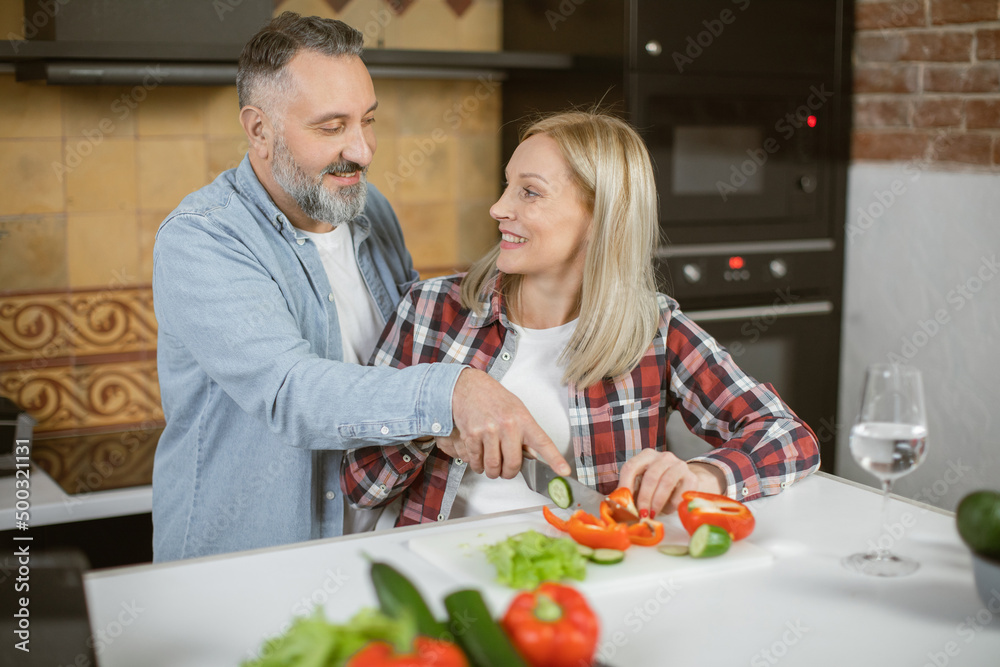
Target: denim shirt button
x,y
330,495
505,356
385,429
440,517
459,462
436,427
330,296
300,241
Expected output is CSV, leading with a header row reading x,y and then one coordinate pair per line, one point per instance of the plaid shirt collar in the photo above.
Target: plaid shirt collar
x,y
497,309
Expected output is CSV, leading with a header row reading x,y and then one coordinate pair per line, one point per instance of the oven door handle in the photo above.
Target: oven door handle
x,y
776,310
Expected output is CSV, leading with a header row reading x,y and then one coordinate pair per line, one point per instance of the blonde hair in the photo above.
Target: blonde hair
x,y
618,310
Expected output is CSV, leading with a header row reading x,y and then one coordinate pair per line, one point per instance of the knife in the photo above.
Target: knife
x,y
537,474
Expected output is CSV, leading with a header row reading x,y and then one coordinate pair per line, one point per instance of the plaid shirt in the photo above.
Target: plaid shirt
x,y
760,444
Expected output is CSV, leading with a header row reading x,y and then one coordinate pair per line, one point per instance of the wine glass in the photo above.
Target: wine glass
x,y
889,440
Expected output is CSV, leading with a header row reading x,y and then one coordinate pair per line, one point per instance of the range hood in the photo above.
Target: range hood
x,y
198,42
181,42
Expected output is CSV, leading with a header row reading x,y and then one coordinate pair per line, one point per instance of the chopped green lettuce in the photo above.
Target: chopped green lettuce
x,y
529,558
312,641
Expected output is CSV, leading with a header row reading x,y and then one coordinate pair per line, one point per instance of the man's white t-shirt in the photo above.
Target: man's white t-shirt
x,y
361,323
360,320
535,377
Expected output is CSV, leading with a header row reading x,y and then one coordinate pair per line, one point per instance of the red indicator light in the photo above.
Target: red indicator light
x,y
811,121
736,262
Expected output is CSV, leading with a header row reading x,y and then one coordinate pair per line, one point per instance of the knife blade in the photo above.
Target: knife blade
x,y
537,475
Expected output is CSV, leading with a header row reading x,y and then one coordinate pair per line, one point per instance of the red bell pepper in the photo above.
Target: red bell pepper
x,y
552,626
599,536
607,532
556,522
619,506
646,533
426,652
699,507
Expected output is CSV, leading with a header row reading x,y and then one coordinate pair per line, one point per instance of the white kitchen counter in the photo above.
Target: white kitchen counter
x,y
802,608
51,505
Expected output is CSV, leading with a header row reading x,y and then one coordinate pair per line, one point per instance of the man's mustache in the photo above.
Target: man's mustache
x,y
345,166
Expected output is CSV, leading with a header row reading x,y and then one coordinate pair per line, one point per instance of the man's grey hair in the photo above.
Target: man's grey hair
x,y
262,77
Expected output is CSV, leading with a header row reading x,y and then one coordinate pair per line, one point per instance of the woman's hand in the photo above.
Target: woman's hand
x,y
662,478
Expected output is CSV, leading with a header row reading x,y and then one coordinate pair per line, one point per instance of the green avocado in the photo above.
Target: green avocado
x,y
978,521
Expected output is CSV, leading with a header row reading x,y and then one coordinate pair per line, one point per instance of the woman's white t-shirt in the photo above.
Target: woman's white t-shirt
x,y
535,377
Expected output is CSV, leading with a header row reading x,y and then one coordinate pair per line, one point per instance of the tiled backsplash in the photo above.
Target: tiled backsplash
x,y
89,173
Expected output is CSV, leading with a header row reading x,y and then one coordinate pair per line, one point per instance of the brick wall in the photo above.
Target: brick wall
x,y
927,82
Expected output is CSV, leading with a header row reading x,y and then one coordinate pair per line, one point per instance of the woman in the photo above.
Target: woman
x,y
564,313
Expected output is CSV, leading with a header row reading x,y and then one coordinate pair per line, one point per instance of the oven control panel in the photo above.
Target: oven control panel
x,y
719,275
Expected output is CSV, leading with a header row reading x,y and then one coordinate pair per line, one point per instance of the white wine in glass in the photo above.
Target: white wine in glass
x,y
889,440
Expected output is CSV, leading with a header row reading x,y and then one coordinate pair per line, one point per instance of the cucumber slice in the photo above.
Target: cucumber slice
x,y
585,551
607,556
709,541
674,549
560,493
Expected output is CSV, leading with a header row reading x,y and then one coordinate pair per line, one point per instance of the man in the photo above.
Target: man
x,y
271,286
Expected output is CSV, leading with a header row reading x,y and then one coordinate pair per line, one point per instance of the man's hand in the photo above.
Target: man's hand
x,y
491,426
664,477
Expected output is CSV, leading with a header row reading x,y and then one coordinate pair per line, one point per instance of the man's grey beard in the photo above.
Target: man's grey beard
x,y
315,200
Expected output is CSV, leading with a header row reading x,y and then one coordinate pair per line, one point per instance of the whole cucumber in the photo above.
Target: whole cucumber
x,y
397,596
483,640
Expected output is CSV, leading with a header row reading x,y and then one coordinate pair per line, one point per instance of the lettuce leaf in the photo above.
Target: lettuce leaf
x,y
529,558
312,641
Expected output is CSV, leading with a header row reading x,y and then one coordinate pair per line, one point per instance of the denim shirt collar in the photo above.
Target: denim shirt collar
x,y
251,187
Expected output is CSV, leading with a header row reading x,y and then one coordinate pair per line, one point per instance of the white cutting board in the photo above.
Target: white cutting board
x,y
459,553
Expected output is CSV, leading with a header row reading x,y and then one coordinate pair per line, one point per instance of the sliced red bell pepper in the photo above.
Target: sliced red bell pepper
x,y
699,507
607,532
556,522
620,506
552,626
426,652
646,533
599,537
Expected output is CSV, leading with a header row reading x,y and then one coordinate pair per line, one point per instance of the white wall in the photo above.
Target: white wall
x,y
923,283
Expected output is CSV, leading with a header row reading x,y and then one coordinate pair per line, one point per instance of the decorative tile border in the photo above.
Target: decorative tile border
x,y
70,398
40,330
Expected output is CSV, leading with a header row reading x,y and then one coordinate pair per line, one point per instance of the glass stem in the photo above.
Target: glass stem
x,y
881,552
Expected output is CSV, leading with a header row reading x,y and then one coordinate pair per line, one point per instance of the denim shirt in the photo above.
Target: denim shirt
x,y
258,404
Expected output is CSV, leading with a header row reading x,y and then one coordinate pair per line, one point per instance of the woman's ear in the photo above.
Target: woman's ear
x,y
258,129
